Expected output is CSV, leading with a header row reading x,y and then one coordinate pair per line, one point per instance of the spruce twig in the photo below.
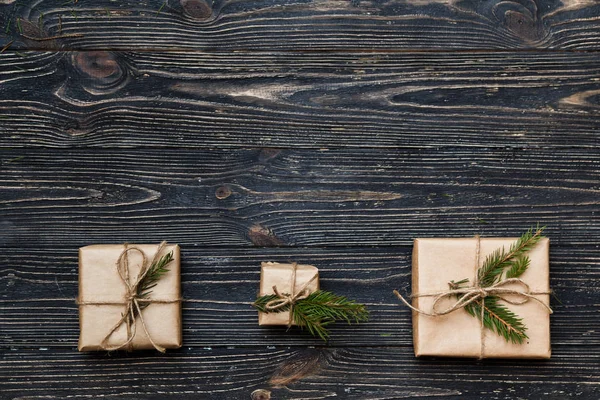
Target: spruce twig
x,y
318,310
150,280
495,263
497,317
497,266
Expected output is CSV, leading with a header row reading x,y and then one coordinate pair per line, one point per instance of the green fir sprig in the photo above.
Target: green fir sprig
x,y
150,280
497,317
515,259
318,310
500,265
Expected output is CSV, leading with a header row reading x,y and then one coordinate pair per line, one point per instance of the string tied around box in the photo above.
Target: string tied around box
x,y
284,299
134,301
477,293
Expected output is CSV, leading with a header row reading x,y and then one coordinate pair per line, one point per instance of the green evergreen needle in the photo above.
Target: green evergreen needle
x,y
500,265
318,310
150,280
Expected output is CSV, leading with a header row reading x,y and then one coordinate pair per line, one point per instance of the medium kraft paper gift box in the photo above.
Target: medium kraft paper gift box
x,y
100,282
281,276
436,262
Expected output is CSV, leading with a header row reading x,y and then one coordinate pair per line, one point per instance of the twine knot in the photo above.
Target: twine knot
x,y
471,294
284,299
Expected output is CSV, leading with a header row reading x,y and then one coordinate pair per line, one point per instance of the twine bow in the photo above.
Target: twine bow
x,y
284,299
468,295
133,302
471,294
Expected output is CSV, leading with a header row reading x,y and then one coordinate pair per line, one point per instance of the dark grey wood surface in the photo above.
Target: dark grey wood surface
x,y
342,25
326,132
409,100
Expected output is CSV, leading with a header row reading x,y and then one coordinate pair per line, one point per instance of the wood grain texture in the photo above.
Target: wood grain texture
x,y
294,198
350,373
198,100
227,25
37,295
327,132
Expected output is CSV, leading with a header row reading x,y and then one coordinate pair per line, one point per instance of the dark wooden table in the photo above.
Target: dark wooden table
x,y
330,132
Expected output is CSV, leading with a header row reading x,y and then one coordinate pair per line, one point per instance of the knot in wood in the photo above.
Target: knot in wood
x,y
223,192
197,9
98,64
521,19
261,394
100,71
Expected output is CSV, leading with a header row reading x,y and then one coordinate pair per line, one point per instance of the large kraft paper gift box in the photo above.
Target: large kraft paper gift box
x,y
281,276
436,262
100,282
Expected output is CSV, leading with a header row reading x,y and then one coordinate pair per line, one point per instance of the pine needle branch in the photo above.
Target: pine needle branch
x,y
519,266
495,263
318,310
150,280
498,318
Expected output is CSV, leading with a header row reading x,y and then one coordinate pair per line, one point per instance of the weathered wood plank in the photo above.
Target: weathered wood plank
x,y
280,373
38,288
437,144
265,197
106,99
227,25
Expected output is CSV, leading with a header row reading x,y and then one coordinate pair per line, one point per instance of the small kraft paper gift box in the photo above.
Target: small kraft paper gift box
x,y
449,286
129,297
291,279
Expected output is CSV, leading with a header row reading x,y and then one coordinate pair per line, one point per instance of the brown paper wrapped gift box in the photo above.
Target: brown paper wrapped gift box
x,y
99,281
280,275
436,262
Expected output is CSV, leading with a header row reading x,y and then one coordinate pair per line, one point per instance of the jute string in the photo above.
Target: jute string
x,y
132,300
284,299
477,293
